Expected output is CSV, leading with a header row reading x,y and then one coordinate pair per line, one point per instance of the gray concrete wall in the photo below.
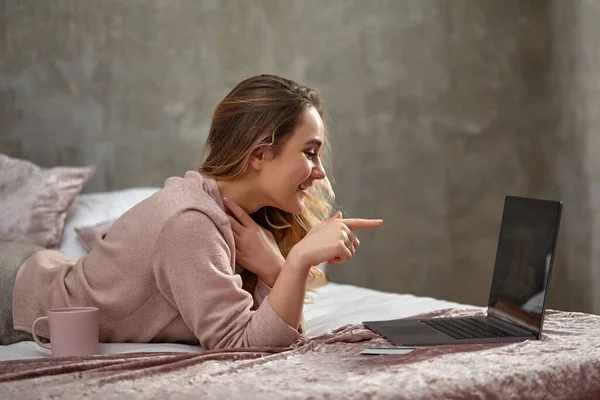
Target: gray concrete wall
x,y
437,109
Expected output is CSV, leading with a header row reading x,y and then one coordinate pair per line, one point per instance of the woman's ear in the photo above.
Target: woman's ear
x,y
260,157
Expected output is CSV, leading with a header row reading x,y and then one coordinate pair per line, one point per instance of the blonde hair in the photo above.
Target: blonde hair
x,y
263,111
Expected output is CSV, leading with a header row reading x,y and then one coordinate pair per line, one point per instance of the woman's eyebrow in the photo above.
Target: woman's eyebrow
x,y
316,142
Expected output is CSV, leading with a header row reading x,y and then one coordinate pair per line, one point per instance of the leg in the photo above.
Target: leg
x,y
12,256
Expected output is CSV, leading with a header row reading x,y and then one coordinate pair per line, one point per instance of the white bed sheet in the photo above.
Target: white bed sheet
x,y
336,305
333,305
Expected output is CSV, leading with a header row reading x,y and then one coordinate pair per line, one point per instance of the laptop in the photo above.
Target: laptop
x,y
524,257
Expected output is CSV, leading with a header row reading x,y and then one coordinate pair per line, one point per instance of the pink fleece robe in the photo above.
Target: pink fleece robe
x,y
165,272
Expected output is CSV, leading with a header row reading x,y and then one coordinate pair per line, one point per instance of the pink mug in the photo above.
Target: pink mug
x,y
74,331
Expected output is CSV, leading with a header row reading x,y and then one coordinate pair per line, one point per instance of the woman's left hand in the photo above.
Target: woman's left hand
x,y
255,247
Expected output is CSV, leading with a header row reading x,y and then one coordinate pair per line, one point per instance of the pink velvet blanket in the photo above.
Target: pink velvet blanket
x,y
565,364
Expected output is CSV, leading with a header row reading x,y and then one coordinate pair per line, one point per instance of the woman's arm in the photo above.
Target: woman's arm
x,y
193,270
332,240
288,294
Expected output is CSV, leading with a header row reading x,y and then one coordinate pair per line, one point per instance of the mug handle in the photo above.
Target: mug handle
x,y
35,337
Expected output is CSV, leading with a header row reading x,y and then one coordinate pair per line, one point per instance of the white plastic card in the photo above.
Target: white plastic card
x,y
391,350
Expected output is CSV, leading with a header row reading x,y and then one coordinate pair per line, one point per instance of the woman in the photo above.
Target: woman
x,y
222,256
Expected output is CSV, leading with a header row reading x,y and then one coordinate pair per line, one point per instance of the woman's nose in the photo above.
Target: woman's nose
x,y
318,172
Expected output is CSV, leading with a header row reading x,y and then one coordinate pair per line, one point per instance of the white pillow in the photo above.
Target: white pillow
x,y
93,208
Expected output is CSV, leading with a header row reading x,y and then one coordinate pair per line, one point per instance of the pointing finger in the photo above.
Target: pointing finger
x,y
358,223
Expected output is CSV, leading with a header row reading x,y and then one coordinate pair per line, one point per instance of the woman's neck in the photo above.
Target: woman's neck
x,y
243,192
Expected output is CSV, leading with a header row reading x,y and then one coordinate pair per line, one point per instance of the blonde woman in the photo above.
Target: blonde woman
x,y
222,256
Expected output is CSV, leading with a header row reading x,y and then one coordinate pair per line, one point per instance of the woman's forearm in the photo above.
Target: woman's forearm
x,y
271,277
288,294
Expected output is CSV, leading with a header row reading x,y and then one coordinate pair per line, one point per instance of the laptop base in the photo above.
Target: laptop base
x,y
414,332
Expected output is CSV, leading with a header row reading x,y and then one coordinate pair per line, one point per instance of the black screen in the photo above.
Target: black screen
x,y
523,260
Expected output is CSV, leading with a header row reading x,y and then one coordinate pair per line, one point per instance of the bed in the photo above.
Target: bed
x,y
326,363
564,365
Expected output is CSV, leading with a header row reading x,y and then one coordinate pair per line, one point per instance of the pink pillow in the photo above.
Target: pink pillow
x,y
90,235
34,201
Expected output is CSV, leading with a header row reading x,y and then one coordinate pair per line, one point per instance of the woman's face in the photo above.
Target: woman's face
x,y
285,178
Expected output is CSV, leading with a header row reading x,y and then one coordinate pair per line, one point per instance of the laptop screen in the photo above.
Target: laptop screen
x,y
524,258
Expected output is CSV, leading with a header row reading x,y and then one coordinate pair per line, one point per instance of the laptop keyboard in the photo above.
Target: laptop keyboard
x,y
466,328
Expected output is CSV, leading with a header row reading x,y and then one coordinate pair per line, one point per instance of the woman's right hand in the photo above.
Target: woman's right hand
x,y
333,241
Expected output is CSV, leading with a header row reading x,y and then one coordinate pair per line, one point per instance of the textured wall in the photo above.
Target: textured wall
x,y
576,77
437,110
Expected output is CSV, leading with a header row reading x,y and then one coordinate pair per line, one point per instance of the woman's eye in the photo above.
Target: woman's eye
x,y
310,155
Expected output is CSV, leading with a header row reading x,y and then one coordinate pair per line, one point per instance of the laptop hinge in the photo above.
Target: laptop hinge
x,y
494,314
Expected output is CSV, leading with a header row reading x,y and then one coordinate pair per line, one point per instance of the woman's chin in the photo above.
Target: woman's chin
x,y
293,206
298,207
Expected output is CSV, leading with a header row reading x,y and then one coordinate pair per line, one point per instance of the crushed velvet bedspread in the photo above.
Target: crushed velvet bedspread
x,y
565,365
